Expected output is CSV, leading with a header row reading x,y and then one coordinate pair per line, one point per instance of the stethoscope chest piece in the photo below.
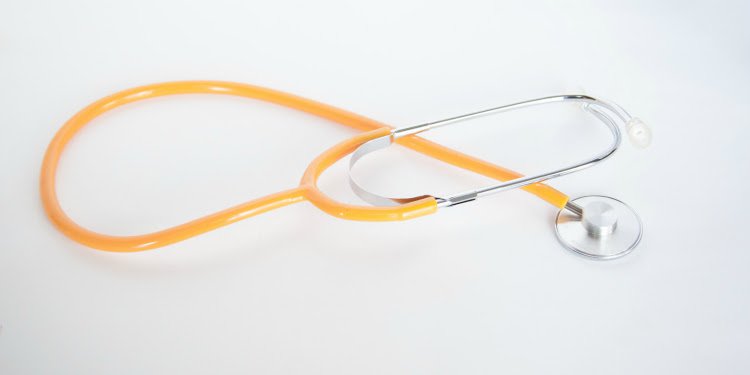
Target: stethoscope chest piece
x,y
604,228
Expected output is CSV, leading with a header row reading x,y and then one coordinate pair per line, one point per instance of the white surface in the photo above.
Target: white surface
x,y
481,288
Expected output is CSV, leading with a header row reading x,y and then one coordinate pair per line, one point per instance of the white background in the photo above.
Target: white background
x,y
480,288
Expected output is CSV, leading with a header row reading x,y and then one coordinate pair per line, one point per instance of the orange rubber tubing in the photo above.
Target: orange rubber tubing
x,y
307,189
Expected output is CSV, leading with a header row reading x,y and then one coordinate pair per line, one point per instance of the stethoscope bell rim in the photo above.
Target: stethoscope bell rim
x,y
608,228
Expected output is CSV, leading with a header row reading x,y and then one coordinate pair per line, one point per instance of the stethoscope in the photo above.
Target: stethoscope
x,y
598,227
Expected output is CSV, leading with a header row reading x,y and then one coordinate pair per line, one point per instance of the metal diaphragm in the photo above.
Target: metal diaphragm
x,y
607,229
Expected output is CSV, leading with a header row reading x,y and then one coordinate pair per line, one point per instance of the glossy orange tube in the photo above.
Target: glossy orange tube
x,y
307,190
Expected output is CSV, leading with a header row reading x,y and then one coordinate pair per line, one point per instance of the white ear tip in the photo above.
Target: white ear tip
x,y
638,132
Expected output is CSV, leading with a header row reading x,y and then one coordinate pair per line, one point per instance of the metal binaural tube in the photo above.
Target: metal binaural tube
x,y
603,110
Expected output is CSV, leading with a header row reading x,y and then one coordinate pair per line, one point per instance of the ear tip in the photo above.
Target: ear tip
x,y
638,133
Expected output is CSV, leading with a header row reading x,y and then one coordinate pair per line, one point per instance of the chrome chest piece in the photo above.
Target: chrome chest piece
x,y
597,227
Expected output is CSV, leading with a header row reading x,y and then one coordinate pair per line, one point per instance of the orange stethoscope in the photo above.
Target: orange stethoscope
x,y
375,136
